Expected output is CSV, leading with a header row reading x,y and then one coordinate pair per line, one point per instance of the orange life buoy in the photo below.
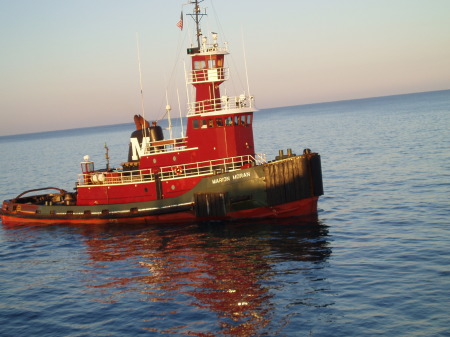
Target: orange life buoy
x,y
178,170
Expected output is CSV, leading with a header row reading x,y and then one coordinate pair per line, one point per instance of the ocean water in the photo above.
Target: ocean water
x,y
376,262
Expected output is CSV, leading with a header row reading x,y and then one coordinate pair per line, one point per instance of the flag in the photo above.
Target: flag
x,y
180,23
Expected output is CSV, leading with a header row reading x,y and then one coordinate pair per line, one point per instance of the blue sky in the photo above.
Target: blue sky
x,y
73,63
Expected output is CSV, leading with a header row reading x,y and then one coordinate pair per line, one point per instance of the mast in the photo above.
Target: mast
x,y
197,16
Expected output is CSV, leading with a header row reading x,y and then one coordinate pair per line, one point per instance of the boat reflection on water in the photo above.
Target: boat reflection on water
x,y
225,275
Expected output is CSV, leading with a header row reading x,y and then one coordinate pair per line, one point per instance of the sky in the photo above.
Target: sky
x,y
74,63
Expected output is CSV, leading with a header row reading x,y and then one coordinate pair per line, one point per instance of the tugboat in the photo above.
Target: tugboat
x,y
211,173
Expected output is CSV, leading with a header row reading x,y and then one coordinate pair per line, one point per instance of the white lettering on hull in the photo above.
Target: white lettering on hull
x,y
221,180
241,175
236,176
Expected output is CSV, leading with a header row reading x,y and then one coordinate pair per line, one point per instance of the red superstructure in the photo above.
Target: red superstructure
x,y
219,130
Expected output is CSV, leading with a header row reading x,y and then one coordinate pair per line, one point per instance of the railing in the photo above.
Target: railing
x,y
115,177
165,146
214,48
209,167
208,75
197,169
221,104
209,49
260,158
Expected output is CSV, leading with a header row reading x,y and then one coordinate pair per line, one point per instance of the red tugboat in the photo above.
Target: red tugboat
x,y
211,173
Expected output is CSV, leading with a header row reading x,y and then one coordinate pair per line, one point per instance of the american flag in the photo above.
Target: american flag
x,y
180,23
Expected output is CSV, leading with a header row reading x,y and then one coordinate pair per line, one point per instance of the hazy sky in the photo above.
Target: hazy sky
x,y
73,63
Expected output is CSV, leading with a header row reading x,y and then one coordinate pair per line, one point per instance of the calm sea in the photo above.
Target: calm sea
x,y
376,263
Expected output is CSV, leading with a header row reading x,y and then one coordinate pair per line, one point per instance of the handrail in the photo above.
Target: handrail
x,y
209,167
221,104
173,141
217,74
212,48
198,169
116,177
165,145
260,158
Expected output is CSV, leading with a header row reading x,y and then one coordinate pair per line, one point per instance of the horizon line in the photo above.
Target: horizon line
x,y
275,107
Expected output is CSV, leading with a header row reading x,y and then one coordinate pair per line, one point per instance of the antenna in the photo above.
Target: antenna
x,y
181,117
186,83
168,108
140,83
245,62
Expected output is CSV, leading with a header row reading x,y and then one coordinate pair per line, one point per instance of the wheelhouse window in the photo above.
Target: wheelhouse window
x,y
195,123
211,64
219,122
200,64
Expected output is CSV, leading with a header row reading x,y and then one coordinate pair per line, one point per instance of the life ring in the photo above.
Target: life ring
x,y
178,170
